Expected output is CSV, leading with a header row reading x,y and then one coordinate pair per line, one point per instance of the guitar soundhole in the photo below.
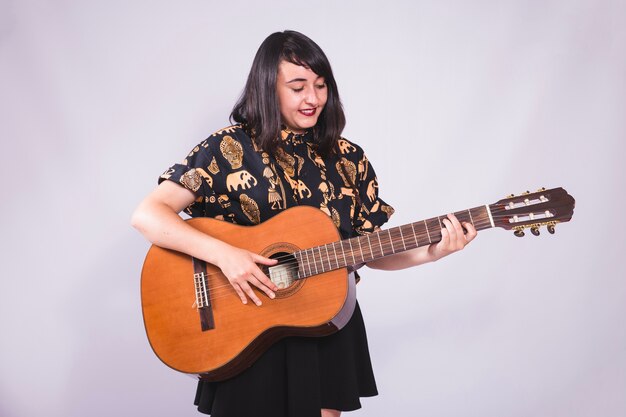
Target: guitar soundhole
x,y
285,274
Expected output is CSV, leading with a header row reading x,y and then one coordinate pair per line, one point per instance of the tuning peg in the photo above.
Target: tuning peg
x,y
519,233
535,231
541,189
551,229
510,196
526,193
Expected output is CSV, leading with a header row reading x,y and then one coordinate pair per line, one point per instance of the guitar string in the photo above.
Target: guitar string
x,y
227,290
387,244
294,266
391,243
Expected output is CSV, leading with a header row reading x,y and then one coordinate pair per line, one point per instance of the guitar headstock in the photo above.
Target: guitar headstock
x,y
533,210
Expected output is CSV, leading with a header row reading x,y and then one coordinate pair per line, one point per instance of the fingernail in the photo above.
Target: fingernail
x,y
272,295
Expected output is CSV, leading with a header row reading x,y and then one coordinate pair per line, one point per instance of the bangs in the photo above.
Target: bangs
x,y
309,58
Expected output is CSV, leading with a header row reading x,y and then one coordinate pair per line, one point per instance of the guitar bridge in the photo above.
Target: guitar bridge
x,y
203,295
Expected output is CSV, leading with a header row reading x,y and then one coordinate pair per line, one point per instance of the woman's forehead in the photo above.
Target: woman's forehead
x,y
291,72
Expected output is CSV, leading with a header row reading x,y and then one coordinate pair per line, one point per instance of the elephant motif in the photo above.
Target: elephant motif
x,y
345,146
240,179
300,187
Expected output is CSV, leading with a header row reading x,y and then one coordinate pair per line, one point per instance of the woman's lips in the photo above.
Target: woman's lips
x,y
308,112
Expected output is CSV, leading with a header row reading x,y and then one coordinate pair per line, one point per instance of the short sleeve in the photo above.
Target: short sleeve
x,y
193,174
373,211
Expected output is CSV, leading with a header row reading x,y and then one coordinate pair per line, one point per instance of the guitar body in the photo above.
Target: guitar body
x,y
239,333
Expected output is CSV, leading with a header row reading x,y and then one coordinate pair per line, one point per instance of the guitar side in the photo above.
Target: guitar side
x,y
314,306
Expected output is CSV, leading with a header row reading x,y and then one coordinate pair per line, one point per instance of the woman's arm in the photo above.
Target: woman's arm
x,y
157,219
453,239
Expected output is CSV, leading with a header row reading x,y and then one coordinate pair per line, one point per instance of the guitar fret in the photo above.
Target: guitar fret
x,y
352,252
437,228
298,262
308,262
343,252
415,235
335,251
370,245
427,232
330,267
471,219
321,261
314,261
360,249
391,240
402,238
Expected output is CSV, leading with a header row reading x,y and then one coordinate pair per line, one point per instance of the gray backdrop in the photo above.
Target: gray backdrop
x,y
459,102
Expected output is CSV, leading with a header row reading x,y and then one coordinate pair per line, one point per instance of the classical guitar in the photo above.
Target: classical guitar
x,y
196,323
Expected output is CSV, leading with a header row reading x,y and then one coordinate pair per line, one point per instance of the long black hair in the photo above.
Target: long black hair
x,y
258,107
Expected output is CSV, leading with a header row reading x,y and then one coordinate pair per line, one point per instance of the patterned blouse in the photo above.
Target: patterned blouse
x,y
236,181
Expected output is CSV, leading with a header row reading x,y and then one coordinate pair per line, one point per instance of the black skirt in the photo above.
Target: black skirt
x,y
297,377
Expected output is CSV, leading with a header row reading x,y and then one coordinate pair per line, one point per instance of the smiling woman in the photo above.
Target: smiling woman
x,y
302,95
285,151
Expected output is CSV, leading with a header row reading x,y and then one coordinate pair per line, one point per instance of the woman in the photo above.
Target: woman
x,y
286,150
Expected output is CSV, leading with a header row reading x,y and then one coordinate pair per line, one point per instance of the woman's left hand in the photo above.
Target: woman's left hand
x,y
453,238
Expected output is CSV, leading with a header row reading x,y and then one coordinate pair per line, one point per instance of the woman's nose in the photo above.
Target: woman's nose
x,y
312,96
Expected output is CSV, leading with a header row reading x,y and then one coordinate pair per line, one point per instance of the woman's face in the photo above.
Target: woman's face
x,y
302,95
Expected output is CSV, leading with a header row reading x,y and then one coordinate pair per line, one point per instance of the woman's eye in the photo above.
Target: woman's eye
x,y
297,90
320,86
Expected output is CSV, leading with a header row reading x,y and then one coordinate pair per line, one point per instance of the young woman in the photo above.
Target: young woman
x,y
285,150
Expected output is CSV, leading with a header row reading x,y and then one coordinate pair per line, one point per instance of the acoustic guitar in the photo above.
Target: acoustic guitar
x,y
196,323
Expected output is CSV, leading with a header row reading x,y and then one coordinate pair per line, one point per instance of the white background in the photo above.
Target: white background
x,y
460,102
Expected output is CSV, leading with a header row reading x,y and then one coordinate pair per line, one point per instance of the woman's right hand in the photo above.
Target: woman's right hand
x,y
158,220
240,267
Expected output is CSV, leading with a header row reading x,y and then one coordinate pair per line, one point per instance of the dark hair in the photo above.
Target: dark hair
x,y
258,108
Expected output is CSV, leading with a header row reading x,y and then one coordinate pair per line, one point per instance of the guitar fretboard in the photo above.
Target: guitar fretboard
x,y
362,249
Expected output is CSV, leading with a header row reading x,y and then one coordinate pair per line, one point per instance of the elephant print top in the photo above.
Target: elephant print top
x,y
236,181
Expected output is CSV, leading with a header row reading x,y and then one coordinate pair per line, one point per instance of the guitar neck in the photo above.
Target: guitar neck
x,y
362,249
